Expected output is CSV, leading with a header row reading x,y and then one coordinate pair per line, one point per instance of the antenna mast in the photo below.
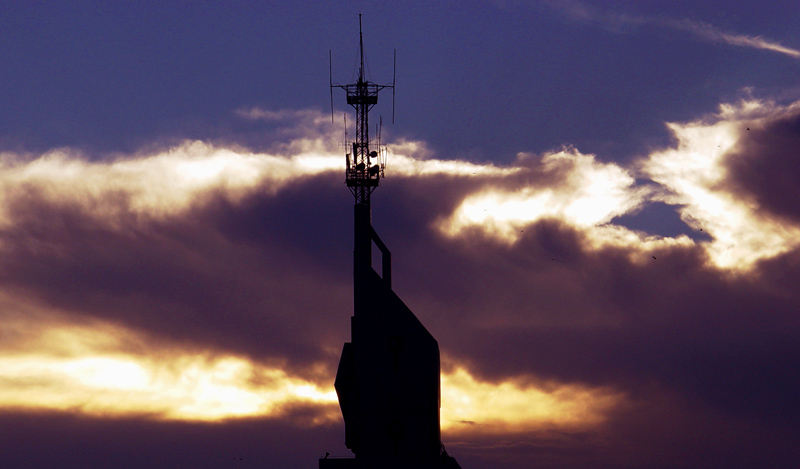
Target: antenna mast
x,y
364,159
388,381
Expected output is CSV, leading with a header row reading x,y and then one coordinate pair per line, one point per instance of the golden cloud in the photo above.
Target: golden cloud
x,y
159,184
510,406
588,195
87,369
91,367
578,191
693,176
592,194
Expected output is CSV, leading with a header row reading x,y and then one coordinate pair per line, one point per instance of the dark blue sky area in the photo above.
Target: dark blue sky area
x,y
478,80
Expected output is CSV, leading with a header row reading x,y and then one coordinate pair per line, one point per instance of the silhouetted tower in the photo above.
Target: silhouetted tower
x,y
361,175
388,376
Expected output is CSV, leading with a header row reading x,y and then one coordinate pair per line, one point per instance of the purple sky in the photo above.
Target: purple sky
x,y
593,206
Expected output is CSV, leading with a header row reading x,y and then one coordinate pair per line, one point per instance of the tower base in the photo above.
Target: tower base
x,y
443,462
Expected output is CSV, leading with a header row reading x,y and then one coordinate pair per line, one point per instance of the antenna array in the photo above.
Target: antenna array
x,y
365,161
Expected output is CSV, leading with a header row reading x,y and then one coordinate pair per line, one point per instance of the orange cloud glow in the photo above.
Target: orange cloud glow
x,y
86,369
471,405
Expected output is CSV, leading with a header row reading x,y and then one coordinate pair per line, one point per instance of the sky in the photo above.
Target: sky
x,y
591,205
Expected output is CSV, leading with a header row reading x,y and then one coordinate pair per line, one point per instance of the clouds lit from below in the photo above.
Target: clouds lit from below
x,y
583,193
205,282
75,372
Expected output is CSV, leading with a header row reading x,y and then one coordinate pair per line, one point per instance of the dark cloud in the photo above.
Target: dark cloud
x,y
657,429
256,277
765,166
68,440
599,318
550,308
705,357
699,336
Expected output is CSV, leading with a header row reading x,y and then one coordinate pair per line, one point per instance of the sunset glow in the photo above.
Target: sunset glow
x,y
693,176
592,207
77,376
161,183
470,405
590,194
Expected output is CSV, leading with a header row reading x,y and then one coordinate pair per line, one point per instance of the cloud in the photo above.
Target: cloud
x,y
710,33
165,182
619,22
103,370
472,406
67,439
578,191
689,330
86,367
764,165
168,286
697,175
217,278
720,177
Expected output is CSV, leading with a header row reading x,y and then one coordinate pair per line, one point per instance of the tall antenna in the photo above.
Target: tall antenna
x,y
394,79
364,168
389,377
330,78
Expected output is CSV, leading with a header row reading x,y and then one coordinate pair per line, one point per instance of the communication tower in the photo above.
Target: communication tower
x,y
365,161
388,379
